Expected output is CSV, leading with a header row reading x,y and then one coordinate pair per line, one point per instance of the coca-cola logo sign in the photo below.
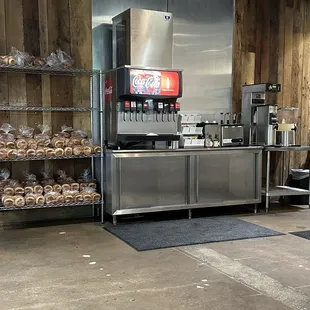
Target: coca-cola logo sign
x,y
148,81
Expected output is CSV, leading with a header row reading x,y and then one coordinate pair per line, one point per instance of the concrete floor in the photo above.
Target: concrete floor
x,y
81,266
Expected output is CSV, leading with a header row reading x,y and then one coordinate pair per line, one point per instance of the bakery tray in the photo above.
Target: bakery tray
x,y
48,158
4,209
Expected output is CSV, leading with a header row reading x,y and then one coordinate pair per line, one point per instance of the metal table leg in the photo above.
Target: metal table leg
x,y
283,173
267,181
189,214
255,208
114,217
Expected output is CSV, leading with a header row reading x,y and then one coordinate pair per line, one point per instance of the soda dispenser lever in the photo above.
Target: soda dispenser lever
x,y
126,110
145,109
165,111
139,109
158,107
133,108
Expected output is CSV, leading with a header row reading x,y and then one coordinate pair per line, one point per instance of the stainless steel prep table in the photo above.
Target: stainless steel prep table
x,y
140,181
282,190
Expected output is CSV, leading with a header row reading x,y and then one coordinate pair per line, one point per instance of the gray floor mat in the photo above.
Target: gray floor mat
x,y
164,234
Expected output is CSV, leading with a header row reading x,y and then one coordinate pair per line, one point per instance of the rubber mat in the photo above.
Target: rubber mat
x,y
303,234
174,233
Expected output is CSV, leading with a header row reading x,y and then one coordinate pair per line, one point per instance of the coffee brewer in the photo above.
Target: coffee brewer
x,y
260,118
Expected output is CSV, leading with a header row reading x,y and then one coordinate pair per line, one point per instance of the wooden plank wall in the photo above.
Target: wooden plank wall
x,y
39,27
271,44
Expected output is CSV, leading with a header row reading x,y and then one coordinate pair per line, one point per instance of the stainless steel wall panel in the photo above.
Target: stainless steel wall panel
x,y
203,36
105,10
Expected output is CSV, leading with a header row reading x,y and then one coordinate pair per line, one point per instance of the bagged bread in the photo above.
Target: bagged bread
x,y
65,132
10,145
79,134
69,196
63,178
30,180
75,186
21,153
40,200
28,190
60,199
68,151
48,188
25,132
6,133
44,137
47,178
11,153
57,188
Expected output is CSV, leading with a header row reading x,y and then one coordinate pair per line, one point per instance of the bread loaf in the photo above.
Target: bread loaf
x,y
19,201
49,152
11,154
92,185
50,198
87,150
69,198
57,188
87,197
9,191
59,152
19,190
58,142
28,190
38,189
10,145
21,144
21,153
75,186
96,149
83,186
68,151
77,150
8,201
48,188
78,198
66,188
40,200
40,152
31,153
3,153
95,197
30,200
60,199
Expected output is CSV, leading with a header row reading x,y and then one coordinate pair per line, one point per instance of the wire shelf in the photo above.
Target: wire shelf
x,y
47,70
49,158
27,108
81,204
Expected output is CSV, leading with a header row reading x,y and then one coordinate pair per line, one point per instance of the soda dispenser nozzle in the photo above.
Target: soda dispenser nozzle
x,y
222,118
227,121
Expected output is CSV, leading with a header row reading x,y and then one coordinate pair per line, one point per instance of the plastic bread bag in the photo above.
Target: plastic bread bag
x,y
86,177
30,180
65,132
4,174
45,132
21,58
78,134
47,178
5,132
53,61
50,198
9,189
25,132
64,59
63,178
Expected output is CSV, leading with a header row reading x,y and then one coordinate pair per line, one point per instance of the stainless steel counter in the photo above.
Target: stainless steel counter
x,y
140,181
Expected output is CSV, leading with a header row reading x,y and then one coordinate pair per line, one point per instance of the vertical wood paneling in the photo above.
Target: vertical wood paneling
x,y
281,55
39,27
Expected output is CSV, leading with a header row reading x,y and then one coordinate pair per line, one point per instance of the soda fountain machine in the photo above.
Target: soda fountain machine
x,y
142,106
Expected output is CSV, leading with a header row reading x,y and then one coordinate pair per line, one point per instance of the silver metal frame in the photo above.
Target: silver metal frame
x,y
281,190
